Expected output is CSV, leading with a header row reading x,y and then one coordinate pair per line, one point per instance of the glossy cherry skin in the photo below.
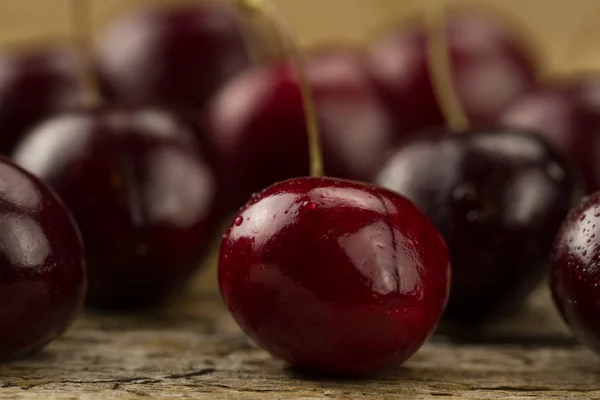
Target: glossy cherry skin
x,y
498,198
171,55
334,275
491,66
42,266
141,192
258,128
34,84
559,114
574,277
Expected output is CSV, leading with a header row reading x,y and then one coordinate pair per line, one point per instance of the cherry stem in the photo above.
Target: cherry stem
x,y
440,67
81,15
269,11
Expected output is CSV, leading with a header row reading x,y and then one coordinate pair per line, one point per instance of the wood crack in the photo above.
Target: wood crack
x,y
204,371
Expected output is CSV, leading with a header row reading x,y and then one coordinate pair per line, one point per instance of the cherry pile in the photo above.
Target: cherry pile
x,y
436,205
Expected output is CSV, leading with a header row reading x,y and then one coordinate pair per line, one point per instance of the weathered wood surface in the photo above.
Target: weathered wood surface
x,y
194,350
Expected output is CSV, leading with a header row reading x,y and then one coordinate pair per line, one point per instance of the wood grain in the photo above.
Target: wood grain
x,y
194,350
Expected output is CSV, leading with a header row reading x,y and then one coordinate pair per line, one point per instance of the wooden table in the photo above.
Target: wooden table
x,y
194,350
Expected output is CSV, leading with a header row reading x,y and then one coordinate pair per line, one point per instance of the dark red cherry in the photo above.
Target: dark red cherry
x,y
42,267
141,192
490,63
174,55
334,275
559,114
586,89
498,198
575,277
257,123
34,84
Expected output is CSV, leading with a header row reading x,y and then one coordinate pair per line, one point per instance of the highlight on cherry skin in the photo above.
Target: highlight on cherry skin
x,y
42,266
575,276
498,198
142,192
334,275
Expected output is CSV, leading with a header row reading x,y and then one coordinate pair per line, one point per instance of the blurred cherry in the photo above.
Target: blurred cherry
x,y
175,55
491,64
559,114
35,83
257,122
498,198
42,267
140,190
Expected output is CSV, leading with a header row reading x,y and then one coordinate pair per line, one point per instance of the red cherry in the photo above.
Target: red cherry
x,y
141,192
258,126
575,278
559,114
334,275
177,56
34,84
42,268
490,65
498,198
586,89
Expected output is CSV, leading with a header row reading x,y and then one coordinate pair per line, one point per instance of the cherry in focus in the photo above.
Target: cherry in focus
x,y
36,83
140,190
498,198
334,275
490,62
575,277
171,55
257,123
42,267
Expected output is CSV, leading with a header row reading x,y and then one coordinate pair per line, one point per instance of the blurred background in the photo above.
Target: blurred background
x,y
552,23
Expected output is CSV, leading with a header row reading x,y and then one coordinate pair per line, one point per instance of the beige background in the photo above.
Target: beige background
x,y
553,23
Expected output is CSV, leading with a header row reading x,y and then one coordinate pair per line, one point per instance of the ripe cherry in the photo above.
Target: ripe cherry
x,y
34,84
559,114
490,64
334,275
498,198
171,55
42,267
141,192
575,276
258,126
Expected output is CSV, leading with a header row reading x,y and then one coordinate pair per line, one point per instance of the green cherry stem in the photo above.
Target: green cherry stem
x,y
81,23
269,11
440,68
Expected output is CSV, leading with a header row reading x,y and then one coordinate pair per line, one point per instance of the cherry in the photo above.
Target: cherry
x,y
34,84
258,127
42,267
498,198
141,192
175,56
559,113
574,277
490,64
334,275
